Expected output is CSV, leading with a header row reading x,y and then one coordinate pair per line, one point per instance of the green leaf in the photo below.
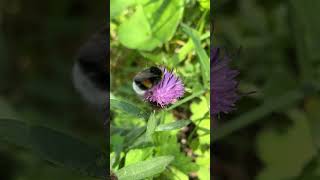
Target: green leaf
x,y
146,139
203,131
312,105
133,135
15,132
56,147
117,142
203,57
141,142
173,126
204,163
188,47
126,107
310,171
199,109
137,155
67,151
136,32
152,24
151,126
205,4
279,81
285,155
306,30
174,174
171,147
117,6
186,99
6,110
144,169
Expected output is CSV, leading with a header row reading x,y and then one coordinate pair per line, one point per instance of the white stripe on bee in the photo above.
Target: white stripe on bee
x,y
87,88
139,91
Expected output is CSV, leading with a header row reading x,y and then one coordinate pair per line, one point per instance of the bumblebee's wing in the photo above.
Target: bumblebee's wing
x,y
91,69
143,75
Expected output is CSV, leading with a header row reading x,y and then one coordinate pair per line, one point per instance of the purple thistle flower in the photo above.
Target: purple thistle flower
x,y
223,83
167,91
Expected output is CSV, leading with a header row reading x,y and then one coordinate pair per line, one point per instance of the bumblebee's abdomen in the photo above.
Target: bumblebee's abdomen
x,y
147,79
141,85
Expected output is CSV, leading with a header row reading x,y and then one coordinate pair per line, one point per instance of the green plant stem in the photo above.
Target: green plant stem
x,y
197,126
186,99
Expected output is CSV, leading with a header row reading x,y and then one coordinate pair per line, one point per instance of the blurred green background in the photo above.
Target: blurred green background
x,y
38,42
274,133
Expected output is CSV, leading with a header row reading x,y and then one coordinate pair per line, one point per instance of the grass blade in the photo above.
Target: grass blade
x,y
203,57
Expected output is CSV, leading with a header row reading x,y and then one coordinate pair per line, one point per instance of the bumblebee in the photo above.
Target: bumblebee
x,y
146,79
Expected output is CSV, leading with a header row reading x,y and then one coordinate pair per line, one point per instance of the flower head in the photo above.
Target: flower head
x,y
167,91
223,83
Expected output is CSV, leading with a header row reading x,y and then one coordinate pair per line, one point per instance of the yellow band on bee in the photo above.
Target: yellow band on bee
x,y
147,83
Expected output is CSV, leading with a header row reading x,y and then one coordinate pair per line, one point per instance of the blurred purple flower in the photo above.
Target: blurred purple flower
x,y
167,91
223,83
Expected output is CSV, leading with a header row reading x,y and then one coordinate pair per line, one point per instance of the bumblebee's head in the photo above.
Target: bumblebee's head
x,y
146,79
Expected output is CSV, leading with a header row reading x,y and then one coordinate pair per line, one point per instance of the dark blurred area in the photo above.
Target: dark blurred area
x,y
274,132
38,43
